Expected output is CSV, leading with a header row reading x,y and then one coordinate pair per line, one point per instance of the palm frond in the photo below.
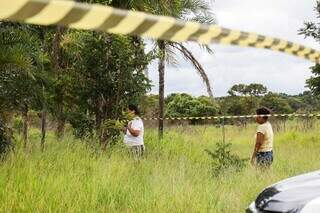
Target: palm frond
x,y
204,19
171,56
206,48
195,7
190,57
16,56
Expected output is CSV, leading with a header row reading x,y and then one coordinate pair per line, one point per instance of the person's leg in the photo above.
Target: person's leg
x,y
264,159
137,151
269,158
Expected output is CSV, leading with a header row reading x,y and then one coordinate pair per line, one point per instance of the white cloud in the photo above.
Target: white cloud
x,y
233,65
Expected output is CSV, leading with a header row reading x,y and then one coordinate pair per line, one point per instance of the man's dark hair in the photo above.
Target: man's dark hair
x,y
134,108
263,111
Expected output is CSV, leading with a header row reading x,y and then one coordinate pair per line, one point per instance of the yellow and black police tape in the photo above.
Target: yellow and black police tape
x,y
103,18
234,117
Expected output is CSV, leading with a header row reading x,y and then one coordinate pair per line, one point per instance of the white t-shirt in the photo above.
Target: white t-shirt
x,y
130,140
266,130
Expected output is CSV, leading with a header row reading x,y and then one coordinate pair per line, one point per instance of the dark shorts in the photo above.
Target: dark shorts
x,y
136,151
264,159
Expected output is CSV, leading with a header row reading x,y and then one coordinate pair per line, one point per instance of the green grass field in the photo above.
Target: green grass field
x,y
173,176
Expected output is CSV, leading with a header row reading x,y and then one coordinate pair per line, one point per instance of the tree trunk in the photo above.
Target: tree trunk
x,y
161,69
44,110
56,49
60,128
43,127
25,124
6,134
99,120
57,64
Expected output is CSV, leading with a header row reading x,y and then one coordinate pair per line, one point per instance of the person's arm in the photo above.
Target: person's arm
x,y
133,132
259,141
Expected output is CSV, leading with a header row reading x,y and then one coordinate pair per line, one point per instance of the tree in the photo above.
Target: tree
x,y
233,105
310,103
276,103
18,70
199,11
312,29
237,90
253,89
184,105
101,80
244,99
314,82
256,90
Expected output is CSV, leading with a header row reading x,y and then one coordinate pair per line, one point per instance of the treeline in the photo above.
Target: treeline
x,y
242,100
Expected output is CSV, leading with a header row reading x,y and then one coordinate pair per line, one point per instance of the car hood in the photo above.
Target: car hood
x,y
290,195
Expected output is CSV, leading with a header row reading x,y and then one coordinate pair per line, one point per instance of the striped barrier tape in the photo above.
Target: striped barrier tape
x,y
232,117
103,18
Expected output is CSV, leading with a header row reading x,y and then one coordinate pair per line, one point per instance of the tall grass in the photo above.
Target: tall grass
x,y
173,176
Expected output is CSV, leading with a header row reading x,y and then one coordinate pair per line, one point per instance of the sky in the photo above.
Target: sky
x,y
231,65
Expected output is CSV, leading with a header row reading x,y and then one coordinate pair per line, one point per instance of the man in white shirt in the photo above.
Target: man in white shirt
x,y
134,132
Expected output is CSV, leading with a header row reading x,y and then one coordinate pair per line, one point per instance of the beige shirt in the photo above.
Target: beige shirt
x,y
266,130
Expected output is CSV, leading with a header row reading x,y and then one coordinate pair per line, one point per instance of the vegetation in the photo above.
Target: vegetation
x,y
180,105
173,176
83,78
93,82
224,160
238,103
312,30
72,86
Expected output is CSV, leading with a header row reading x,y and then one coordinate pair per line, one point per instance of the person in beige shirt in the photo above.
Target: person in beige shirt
x,y
263,150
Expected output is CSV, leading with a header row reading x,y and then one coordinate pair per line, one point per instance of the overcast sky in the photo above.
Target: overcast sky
x,y
231,65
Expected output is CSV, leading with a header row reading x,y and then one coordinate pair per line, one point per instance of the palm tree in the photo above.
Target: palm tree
x,y
15,60
20,66
199,10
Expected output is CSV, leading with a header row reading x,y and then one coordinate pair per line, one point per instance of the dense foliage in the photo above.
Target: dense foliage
x,y
77,77
185,105
312,30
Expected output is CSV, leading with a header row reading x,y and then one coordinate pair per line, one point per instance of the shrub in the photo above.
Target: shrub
x,y
224,160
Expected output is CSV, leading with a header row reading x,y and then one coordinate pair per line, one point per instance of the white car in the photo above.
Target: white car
x,y
299,194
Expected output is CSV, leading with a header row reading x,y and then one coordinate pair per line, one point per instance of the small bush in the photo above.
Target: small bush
x,y
224,160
